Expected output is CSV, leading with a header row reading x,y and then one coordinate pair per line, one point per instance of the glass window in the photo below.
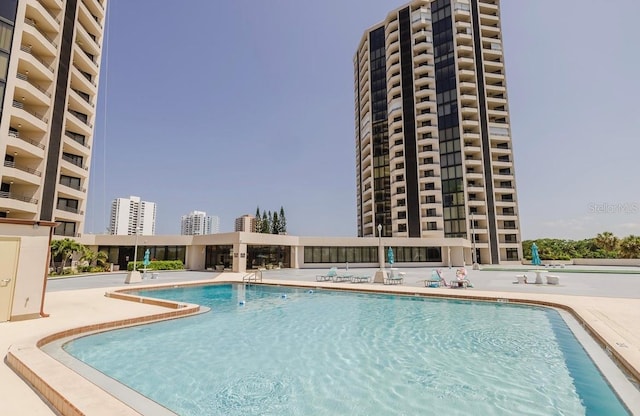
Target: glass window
x,y
4,65
6,31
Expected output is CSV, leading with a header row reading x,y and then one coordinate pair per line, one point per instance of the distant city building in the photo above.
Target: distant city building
x,y
198,223
246,223
131,214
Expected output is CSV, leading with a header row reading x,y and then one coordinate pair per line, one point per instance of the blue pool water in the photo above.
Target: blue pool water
x,y
301,352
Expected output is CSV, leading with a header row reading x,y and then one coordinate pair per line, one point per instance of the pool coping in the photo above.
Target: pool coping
x,y
71,394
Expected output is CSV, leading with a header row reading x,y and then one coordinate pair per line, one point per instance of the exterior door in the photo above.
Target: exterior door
x,y
9,262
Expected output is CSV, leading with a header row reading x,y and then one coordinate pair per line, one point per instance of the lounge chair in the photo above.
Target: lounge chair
x,y
394,279
521,279
436,279
342,277
333,272
360,279
553,280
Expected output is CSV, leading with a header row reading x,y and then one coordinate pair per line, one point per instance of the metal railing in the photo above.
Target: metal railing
x,y
10,164
80,116
18,104
73,161
70,209
25,77
16,134
44,6
44,35
27,49
77,188
22,198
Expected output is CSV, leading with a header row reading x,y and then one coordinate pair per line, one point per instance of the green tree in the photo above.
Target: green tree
x,y
264,223
283,222
65,248
630,247
275,223
607,241
94,259
258,221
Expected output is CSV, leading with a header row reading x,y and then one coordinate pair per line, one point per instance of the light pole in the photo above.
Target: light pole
x,y
135,249
381,274
134,275
473,243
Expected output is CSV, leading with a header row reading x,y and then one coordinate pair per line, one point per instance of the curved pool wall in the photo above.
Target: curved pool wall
x,y
428,354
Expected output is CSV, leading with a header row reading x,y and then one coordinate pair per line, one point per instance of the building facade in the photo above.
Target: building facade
x,y
246,223
130,216
50,52
434,153
199,223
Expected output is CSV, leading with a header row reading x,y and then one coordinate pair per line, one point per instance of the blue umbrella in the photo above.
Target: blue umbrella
x,y
146,261
535,256
390,255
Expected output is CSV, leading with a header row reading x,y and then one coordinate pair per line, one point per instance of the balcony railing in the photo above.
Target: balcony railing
x,y
44,6
46,36
11,195
27,49
70,209
84,96
78,138
75,187
18,104
10,164
81,116
73,161
25,77
16,134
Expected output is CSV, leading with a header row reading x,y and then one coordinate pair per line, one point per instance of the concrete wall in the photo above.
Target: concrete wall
x,y
606,262
32,265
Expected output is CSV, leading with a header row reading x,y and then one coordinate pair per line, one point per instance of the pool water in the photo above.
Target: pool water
x,y
311,352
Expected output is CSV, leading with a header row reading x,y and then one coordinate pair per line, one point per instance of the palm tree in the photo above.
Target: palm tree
x,y
102,259
65,248
630,247
607,241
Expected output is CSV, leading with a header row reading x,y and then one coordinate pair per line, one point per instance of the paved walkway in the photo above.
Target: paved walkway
x,y
609,303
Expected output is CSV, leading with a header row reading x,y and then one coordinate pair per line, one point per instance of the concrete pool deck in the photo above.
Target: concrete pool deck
x,y
604,300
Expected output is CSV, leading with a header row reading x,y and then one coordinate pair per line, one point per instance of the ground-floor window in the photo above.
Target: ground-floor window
x,y
221,255
124,254
512,254
370,254
268,257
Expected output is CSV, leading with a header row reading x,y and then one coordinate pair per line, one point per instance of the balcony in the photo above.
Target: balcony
x,y
32,146
23,168
30,61
43,37
17,197
32,83
47,20
88,20
32,113
84,118
72,210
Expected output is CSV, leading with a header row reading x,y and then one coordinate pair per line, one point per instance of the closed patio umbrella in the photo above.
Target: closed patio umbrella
x,y
390,258
535,256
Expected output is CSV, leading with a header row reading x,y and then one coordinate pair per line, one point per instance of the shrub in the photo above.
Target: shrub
x,y
158,265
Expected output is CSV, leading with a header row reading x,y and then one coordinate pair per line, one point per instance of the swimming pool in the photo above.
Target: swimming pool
x,y
295,351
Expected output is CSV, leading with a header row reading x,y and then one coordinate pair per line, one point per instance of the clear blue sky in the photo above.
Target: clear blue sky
x,y
222,106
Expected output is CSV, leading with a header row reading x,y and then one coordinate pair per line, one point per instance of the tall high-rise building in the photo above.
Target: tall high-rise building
x,y
199,223
246,223
50,53
131,214
433,140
